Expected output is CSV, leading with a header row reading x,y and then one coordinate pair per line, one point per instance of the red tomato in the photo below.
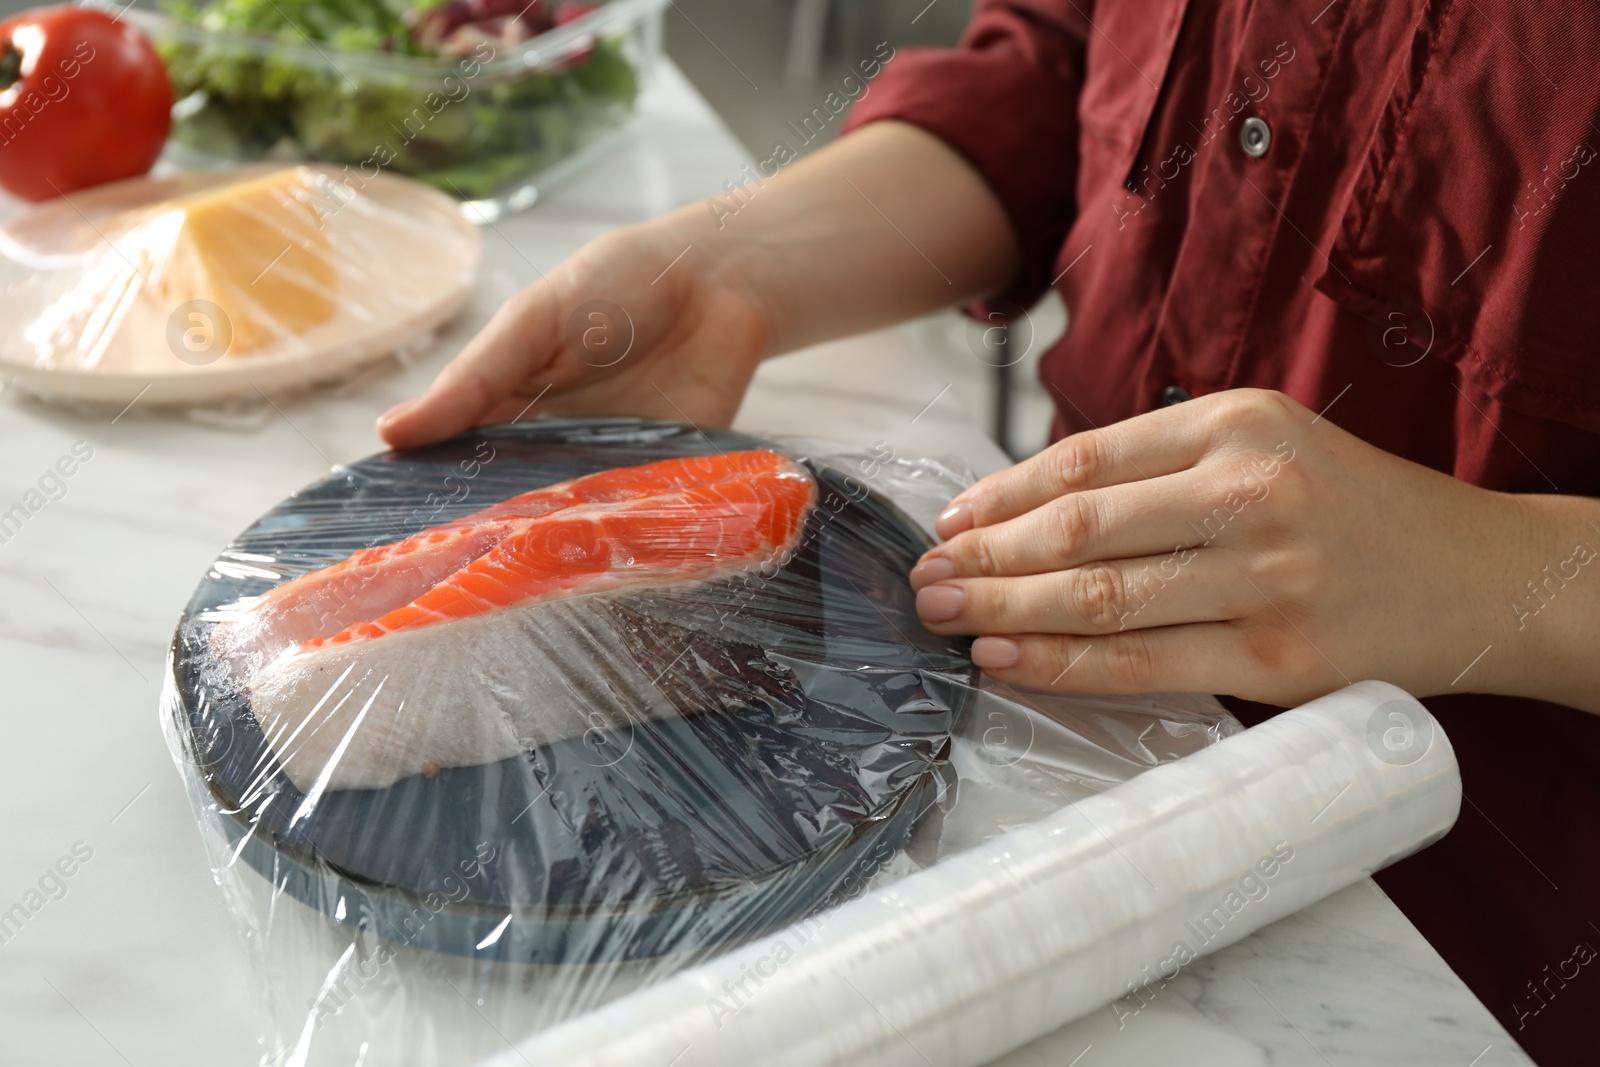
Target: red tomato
x,y
84,99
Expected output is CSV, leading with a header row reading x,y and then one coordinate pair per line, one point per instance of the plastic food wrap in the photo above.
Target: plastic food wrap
x,y
220,283
1101,903
486,735
492,102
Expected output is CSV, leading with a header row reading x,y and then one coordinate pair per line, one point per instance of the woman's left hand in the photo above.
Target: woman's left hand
x,y
1236,543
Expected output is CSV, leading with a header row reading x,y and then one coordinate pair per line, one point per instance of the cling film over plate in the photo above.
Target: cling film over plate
x,y
210,285
488,734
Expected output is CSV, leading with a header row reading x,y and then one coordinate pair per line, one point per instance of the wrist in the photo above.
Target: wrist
x,y
721,268
1544,601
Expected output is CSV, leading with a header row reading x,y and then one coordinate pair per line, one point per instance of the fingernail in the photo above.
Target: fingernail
x,y
996,653
955,519
941,603
394,413
937,569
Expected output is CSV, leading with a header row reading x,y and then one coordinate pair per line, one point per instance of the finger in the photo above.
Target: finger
x,y
521,340
1146,446
1186,585
1199,657
1118,522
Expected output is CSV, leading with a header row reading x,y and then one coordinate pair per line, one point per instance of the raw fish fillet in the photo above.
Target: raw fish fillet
x,y
483,637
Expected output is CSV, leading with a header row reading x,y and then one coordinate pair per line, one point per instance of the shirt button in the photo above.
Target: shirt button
x,y
1173,394
1255,136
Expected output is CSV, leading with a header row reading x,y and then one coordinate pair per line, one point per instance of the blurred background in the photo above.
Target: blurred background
x,y
761,62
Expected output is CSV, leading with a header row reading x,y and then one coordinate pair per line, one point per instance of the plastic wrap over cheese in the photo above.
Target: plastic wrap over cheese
x,y
211,284
485,736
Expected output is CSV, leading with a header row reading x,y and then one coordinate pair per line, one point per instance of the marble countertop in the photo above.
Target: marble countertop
x,y
135,958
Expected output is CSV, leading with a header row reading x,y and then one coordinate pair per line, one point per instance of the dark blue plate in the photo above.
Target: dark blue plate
x,y
818,715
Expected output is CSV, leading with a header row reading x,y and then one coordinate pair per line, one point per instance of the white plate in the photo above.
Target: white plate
x,y
409,278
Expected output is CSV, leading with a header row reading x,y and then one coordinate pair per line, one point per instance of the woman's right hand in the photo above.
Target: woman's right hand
x,y
617,329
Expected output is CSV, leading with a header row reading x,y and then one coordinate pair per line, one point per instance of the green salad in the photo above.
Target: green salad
x,y
412,88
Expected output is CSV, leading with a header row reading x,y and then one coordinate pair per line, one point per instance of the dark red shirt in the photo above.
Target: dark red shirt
x,y
1389,210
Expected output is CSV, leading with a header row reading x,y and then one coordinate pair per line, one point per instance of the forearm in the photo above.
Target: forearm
x,y
884,225
1546,641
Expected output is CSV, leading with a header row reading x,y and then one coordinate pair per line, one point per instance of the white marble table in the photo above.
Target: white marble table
x,y
138,962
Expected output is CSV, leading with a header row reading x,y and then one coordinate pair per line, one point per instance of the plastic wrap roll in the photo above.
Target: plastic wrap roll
x,y
992,948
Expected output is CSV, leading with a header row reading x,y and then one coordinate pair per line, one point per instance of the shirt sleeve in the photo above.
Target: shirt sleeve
x,y
1006,99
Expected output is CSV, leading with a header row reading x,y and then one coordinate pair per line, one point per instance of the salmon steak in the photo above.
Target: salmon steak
x,y
493,634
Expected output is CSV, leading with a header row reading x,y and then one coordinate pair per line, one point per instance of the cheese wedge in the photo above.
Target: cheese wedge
x,y
258,250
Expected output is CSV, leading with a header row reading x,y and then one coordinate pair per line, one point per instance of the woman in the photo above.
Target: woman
x,y
1360,237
